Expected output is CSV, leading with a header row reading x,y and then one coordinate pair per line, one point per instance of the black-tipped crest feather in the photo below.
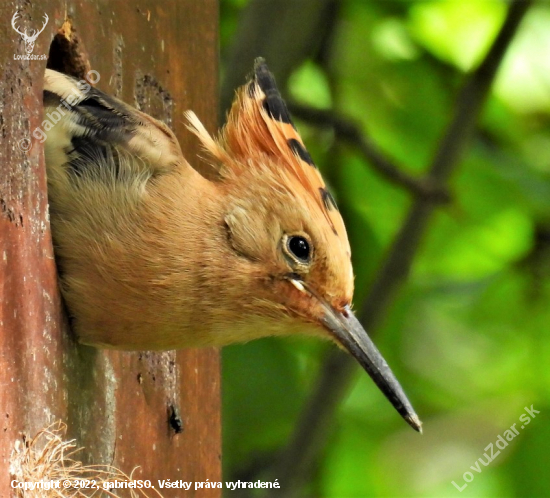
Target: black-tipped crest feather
x,y
273,102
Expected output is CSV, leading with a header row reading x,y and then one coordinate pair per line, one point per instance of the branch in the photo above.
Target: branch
x,y
468,106
299,457
284,32
350,132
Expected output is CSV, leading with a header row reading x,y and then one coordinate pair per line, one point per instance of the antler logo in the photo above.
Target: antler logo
x,y
29,39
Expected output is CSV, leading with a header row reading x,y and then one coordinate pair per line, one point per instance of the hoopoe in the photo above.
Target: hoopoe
x,y
154,256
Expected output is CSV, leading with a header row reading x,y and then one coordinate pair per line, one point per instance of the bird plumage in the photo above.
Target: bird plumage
x,y
152,255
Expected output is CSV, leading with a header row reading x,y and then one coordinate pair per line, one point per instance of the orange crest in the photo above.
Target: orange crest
x,y
259,124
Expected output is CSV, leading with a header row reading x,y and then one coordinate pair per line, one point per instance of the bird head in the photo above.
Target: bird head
x,y
284,229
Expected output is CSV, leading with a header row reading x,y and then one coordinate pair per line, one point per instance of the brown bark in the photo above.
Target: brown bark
x,y
162,56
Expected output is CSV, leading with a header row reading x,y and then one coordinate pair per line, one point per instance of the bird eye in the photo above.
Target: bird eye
x,y
299,247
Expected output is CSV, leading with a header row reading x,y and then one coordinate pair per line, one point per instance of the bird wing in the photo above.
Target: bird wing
x,y
92,128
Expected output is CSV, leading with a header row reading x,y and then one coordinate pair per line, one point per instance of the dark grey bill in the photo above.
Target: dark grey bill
x,y
352,336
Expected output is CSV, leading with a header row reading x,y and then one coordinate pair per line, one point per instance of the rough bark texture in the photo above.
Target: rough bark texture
x,y
161,56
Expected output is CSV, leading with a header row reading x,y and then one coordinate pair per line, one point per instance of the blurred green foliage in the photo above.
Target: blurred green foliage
x,y
468,334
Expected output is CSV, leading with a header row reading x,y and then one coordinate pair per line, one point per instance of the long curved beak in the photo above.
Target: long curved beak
x,y
347,331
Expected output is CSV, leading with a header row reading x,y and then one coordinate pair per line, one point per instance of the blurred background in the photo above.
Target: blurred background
x,y
439,159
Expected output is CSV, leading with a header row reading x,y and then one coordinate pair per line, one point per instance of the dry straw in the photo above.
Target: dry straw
x,y
47,457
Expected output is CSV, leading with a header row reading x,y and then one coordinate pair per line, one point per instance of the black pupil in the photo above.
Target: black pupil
x,y
299,247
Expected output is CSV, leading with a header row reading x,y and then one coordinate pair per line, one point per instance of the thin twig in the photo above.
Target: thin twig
x,y
350,132
300,455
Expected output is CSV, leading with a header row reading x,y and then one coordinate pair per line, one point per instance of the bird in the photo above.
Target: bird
x,y
153,254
